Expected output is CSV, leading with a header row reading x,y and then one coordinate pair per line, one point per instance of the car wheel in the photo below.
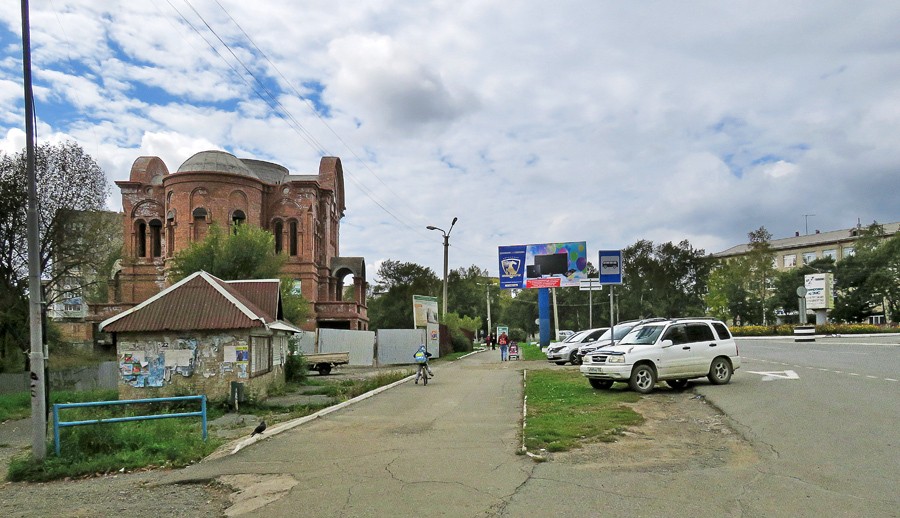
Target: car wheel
x,y
642,379
677,384
560,363
601,384
575,359
720,371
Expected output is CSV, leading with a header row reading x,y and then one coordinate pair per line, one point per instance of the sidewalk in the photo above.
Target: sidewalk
x,y
445,449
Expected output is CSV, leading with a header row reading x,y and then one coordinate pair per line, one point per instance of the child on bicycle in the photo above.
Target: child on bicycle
x,y
421,356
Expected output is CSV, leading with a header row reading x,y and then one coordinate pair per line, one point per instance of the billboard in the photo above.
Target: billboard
x,y
819,292
425,310
548,265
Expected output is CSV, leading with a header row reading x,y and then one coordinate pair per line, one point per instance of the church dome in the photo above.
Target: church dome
x,y
216,162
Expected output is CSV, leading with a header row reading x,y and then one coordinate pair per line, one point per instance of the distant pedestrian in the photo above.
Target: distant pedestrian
x,y
493,341
503,342
488,341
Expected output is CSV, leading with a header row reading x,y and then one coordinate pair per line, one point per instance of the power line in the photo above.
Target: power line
x,y
278,107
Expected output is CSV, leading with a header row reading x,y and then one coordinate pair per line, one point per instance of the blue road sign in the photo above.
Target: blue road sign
x,y
610,267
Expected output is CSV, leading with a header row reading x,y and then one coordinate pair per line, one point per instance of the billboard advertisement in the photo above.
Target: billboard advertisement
x,y
548,265
425,310
819,292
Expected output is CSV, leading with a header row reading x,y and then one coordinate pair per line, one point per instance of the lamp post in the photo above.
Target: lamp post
x,y
446,246
487,289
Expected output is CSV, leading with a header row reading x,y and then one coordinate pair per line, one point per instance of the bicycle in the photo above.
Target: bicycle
x,y
423,371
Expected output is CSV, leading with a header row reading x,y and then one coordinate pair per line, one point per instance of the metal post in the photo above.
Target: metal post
x,y
612,321
489,308
590,309
446,247
37,356
555,313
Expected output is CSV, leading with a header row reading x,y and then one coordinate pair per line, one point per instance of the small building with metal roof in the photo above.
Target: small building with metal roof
x,y
200,335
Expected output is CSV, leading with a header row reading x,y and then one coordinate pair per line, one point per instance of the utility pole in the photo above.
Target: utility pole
x,y
37,356
806,218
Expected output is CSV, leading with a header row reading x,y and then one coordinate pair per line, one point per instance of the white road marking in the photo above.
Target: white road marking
x,y
784,375
889,379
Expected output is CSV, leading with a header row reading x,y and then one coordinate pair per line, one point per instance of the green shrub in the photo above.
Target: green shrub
x,y
517,334
460,342
296,369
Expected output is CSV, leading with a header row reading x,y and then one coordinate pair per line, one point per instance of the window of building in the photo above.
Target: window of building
x,y
849,251
830,254
876,319
278,230
170,233
790,260
199,215
156,238
140,245
261,355
292,238
237,218
809,257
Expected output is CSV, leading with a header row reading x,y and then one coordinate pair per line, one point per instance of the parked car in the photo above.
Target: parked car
x,y
566,351
670,350
621,329
564,334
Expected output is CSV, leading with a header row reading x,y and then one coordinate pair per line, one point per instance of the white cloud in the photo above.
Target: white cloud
x,y
599,121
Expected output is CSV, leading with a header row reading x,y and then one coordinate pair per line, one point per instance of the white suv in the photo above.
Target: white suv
x,y
673,351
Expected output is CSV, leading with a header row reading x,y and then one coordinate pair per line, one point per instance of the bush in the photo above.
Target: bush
x,y
517,334
825,329
460,342
295,367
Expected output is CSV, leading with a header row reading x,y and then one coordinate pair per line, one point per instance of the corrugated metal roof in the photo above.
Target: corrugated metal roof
x,y
264,293
199,301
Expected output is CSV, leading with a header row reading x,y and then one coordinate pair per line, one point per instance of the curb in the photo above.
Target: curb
x,y
535,457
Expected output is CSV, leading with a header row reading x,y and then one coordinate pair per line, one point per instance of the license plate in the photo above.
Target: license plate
x,y
595,370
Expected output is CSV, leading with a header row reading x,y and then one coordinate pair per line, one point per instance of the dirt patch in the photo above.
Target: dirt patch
x,y
680,431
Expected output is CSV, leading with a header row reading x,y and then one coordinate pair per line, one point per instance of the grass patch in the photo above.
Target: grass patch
x,y
106,448
564,411
348,389
451,357
531,351
18,405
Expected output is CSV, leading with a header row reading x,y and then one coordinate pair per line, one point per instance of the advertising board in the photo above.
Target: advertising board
x,y
819,290
425,310
547,265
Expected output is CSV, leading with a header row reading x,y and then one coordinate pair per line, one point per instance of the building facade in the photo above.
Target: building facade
x,y
165,213
792,252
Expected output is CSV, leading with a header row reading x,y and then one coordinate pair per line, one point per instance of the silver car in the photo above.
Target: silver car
x,y
566,351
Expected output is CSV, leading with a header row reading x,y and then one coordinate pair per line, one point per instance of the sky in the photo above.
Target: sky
x,y
531,121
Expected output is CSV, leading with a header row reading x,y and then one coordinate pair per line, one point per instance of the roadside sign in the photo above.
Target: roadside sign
x,y
610,267
589,285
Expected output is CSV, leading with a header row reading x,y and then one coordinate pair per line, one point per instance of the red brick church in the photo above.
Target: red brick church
x,y
165,212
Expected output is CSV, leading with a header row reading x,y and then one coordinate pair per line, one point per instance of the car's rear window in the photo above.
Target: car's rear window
x,y
722,331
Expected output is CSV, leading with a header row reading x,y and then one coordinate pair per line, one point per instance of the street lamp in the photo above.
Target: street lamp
x,y
446,245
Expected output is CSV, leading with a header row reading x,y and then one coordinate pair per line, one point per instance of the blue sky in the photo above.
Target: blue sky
x,y
605,122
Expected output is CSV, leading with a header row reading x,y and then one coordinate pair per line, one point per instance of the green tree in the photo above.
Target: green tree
x,y
761,270
663,280
784,296
869,280
71,187
246,253
390,298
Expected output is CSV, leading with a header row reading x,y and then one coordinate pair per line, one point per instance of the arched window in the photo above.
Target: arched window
x,y
170,233
140,239
199,215
292,238
237,218
278,230
156,238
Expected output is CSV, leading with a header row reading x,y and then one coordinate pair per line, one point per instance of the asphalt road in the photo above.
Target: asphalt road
x,y
825,440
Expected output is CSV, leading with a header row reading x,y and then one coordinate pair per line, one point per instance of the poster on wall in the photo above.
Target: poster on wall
x,y
547,265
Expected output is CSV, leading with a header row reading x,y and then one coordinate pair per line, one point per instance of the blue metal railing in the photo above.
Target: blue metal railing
x,y
57,424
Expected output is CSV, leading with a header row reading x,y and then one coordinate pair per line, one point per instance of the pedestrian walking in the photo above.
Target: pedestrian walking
x,y
503,342
488,341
